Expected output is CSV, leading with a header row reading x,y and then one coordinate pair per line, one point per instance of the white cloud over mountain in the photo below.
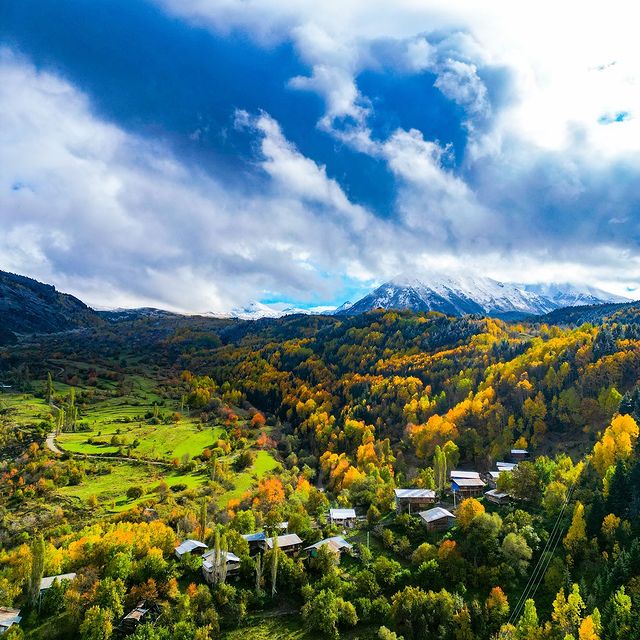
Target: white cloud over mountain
x,y
546,188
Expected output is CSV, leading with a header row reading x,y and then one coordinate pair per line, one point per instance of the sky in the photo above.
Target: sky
x,y
197,155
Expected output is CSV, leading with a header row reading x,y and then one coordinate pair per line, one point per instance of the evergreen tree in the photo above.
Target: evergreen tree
x,y
49,388
37,568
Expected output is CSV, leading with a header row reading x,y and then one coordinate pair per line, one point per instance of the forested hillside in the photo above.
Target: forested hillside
x,y
172,428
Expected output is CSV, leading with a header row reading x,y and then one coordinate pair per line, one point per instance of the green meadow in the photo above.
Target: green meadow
x,y
243,481
111,488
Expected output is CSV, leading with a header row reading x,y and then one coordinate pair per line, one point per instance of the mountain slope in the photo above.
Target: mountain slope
x,y
570,295
28,306
462,295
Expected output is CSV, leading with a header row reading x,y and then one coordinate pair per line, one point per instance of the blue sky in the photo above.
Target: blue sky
x,y
200,154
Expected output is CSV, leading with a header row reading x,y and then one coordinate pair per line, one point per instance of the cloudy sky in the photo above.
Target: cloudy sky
x,y
200,154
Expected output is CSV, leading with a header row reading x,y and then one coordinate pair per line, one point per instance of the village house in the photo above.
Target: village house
x,y
289,543
136,616
47,582
336,543
519,454
497,497
257,541
467,487
192,547
208,565
412,500
8,617
492,478
345,518
506,466
437,519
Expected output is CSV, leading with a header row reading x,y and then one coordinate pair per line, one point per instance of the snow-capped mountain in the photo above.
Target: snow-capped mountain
x,y
257,310
571,295
463,294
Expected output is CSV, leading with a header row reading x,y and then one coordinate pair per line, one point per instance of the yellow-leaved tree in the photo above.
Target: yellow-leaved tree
x,y
616,443
469,509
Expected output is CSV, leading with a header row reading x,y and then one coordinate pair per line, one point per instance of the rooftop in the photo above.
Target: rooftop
x,y
467,482
464,474
336,542
288,540
415,493
46,583
496,494
434,514
8,617
342,514
189,545
255,537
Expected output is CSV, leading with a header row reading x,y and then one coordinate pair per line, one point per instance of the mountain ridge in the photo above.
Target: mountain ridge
x,y
464,295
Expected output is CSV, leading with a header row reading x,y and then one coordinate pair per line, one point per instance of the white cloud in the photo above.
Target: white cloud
x,y
559,54
105,214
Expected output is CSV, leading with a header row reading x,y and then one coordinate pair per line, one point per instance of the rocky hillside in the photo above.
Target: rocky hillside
x,y
28,306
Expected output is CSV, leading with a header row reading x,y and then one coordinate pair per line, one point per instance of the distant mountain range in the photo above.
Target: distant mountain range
x,y
30,307
462,295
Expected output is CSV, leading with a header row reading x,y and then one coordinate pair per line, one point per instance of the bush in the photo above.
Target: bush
x,y
133,493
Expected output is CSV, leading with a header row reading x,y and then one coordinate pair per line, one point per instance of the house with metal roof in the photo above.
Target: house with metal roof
x,y
466,487
519,454
345,518
194,547
437,519
289,543
8,617
413,499
506,466
336,543
257,541
497,497
47,582
208,564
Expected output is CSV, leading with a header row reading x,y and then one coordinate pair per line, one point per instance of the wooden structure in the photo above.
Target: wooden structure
x,y
8,617
413,500
289,543
257,541
519,454
47,582
345,518
437,519
208,569
336,543
192,547
467,487
497,497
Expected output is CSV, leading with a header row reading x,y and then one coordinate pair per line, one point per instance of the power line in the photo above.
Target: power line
x,y
539,570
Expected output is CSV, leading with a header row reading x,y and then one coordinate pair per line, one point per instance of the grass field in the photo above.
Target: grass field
x,y
264,463
157,442
280,628
23,409
112,487
107,415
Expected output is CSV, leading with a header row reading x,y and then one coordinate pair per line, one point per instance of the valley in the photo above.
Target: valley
x,y
213,428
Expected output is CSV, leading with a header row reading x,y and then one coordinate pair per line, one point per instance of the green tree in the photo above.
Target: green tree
x,y
48,391
37,568
275,552
321,613
109,596
96,624
528,627
516,551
